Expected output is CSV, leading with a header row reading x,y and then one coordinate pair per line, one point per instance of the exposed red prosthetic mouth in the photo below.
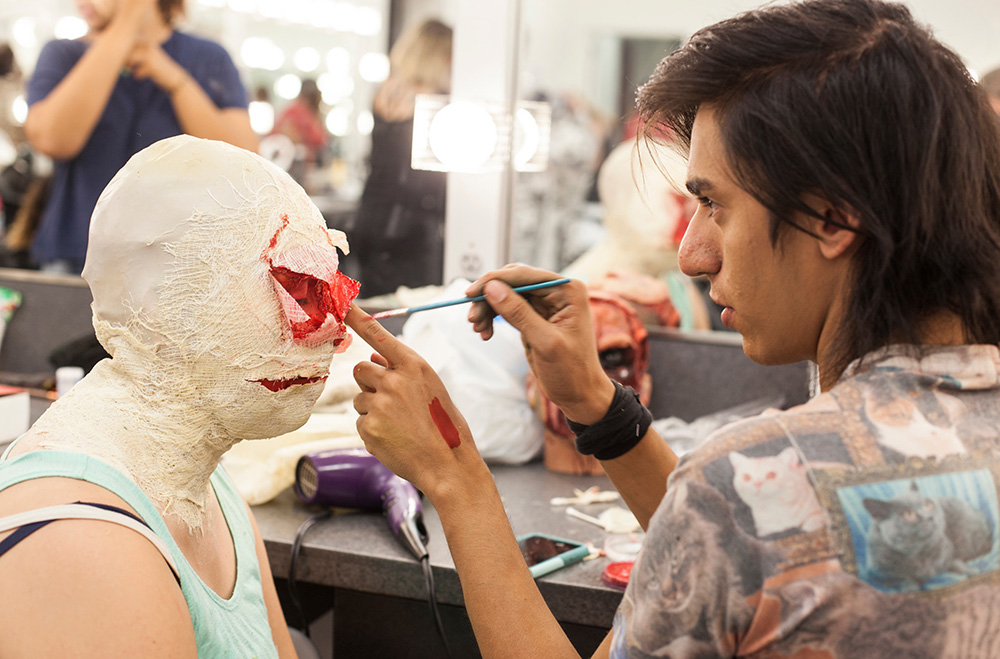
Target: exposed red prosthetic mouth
x,y
281,385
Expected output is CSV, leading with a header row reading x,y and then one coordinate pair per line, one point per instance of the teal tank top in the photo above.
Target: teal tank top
x,y
234,628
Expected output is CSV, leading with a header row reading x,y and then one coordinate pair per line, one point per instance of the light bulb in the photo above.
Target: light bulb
x,y
462,135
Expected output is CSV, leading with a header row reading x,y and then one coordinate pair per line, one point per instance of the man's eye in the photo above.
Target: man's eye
x,y
708,204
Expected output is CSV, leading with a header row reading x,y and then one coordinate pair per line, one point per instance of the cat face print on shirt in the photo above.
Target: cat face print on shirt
x,y
919,424
778,492
925,532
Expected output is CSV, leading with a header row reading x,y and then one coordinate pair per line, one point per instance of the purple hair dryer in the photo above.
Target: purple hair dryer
x,y
354,478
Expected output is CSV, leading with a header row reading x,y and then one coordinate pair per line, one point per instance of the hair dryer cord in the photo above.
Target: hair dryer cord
x,y
293,590
425,562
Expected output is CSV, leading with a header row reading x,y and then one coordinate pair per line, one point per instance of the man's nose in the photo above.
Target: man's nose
x,y
699,253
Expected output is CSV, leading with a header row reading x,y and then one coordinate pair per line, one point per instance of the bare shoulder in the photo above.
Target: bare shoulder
x,y
88,585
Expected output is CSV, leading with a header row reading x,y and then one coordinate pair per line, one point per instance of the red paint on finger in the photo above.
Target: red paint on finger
x,y
444,423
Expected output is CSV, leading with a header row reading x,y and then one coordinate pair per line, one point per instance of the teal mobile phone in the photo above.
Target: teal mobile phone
x,y
545,553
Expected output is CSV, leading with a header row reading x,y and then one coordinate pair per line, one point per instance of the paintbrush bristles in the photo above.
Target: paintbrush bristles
x,y
391,313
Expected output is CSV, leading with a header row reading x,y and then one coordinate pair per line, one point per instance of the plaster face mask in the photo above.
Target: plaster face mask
x,y
216,292
216,286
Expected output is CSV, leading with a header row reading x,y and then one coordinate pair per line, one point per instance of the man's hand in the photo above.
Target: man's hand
x,y
557,333
149,60
408,420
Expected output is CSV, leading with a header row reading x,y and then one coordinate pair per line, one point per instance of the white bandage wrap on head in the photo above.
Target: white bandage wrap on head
x,y
217,294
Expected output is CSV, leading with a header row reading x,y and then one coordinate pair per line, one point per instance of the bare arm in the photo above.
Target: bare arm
x,y
508,614
640,475
196,112
90,589
60,124
398,423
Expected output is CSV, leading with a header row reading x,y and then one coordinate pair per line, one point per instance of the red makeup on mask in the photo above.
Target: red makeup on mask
x,y
314,296
311,289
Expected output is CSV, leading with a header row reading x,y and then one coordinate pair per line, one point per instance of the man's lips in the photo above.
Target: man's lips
x,y
726,315
280,385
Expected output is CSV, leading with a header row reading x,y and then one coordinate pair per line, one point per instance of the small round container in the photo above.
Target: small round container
x,y
66,377
623,546
616,575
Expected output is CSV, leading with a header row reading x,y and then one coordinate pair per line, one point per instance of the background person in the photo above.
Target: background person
x,y
300,122
94,102
398,233
840,221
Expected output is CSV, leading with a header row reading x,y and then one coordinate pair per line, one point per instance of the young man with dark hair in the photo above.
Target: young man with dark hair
x,y
848,171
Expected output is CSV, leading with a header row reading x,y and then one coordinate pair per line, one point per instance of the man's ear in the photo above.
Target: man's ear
x,y
839,230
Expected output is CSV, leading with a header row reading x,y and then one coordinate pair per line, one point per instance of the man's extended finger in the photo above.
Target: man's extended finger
x,y
375,335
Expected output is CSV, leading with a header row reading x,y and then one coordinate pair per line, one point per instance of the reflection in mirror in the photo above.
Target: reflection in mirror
x,y
604,211
600,207
309,69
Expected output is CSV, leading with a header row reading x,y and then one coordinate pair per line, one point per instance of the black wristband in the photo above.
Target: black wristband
x,y
624,424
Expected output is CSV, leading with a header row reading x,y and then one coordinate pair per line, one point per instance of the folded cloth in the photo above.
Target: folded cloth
x,y
263,468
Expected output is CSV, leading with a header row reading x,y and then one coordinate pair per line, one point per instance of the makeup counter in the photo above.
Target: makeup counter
x,y
352,565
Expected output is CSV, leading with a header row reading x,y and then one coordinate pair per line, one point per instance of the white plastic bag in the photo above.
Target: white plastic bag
x,y
485,378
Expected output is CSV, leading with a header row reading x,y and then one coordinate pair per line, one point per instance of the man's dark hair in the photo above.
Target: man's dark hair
x,y
171,10
853,101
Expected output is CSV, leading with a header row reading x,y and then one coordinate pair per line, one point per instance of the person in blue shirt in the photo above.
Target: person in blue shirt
x,y
95,101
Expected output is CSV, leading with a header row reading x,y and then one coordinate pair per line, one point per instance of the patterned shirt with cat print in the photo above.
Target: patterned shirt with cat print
x,y
864,523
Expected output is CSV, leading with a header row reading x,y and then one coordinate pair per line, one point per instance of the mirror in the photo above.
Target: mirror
x,y
588,57
276,46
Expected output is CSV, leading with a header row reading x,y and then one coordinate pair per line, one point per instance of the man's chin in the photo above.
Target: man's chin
x,y
762,354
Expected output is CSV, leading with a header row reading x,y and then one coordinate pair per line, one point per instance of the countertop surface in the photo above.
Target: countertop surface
x,y
357,551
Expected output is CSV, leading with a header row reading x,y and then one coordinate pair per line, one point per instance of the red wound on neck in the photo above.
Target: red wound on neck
x,y
444,424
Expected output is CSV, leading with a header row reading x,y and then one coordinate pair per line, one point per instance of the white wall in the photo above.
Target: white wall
x,y
563,36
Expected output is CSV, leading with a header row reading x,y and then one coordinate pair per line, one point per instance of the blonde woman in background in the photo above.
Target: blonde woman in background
x,y
398,233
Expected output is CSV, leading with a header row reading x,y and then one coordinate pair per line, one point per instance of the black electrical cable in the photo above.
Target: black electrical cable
x,y
293,591
425,562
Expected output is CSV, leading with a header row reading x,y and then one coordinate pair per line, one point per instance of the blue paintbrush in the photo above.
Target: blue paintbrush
x,y
437,305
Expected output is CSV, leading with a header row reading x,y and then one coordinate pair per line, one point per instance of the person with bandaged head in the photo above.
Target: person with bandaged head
x,y
217,295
